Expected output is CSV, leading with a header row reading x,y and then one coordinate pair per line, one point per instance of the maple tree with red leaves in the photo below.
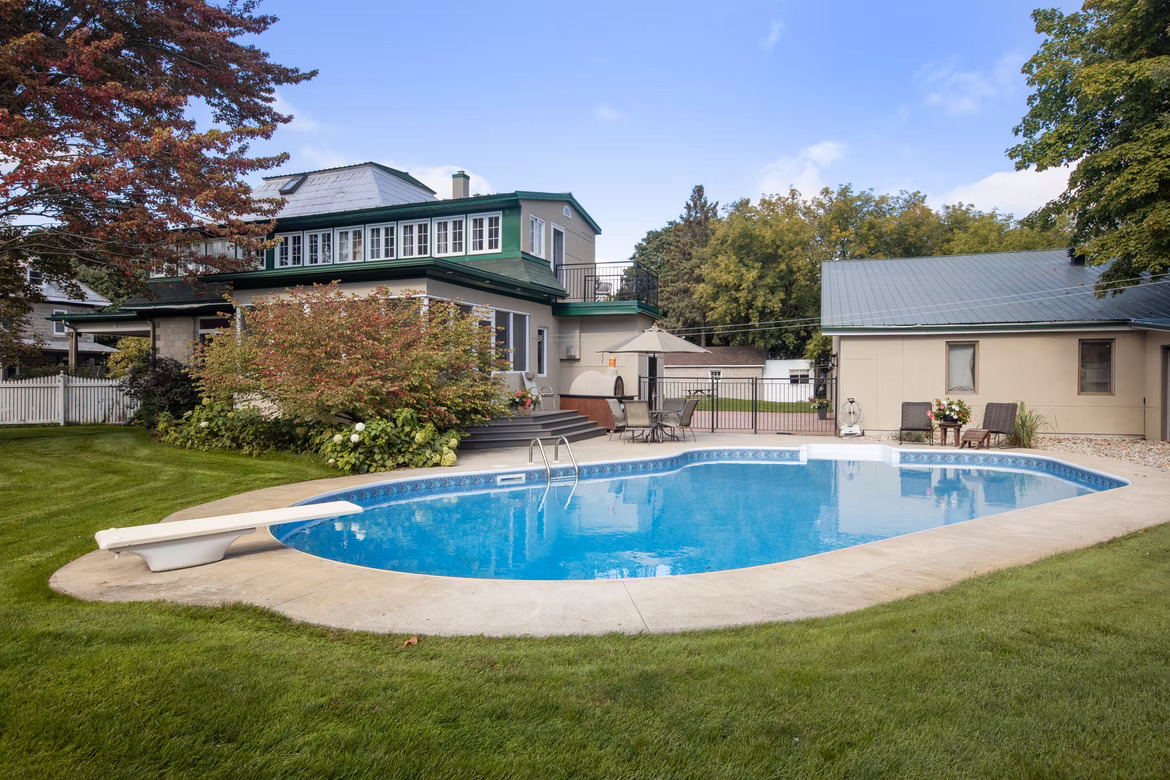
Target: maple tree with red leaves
x,y
103,164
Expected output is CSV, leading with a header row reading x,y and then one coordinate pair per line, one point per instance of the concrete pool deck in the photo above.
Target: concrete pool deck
x,y
258,570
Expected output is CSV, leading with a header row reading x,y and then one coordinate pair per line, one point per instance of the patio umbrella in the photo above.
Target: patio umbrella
x,y
653,341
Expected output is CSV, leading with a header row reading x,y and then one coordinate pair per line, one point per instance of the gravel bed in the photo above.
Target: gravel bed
x,y
1140,451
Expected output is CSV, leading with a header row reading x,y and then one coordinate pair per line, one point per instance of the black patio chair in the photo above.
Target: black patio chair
x,y
999,419
916,417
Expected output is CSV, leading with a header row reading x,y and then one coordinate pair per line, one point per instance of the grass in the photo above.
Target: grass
x,y
1061,668
745,405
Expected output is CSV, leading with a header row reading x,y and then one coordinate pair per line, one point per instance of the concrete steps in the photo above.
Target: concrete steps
x,y
518,431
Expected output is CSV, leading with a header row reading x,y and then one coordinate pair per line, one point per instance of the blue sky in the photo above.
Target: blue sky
x,y
628,105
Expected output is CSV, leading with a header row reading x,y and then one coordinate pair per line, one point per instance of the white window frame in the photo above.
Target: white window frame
x,y
286,247
552,243
542,351
59,328
568,212
320,234
350,233
387,250
30,272
487,247
536,243
412,226
512,341
450,223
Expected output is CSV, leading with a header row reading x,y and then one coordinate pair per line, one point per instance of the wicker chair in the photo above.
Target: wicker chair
x,y
999,419
916,417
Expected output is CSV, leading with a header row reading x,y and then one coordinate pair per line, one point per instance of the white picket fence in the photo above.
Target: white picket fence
x,y
64,399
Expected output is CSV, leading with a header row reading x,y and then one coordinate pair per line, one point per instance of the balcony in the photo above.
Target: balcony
x,y
605,282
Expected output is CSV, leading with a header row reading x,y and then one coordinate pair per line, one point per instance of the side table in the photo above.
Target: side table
x,y
945,427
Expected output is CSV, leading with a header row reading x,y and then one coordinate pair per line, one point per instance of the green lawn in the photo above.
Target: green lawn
x,y
745,405
1060,669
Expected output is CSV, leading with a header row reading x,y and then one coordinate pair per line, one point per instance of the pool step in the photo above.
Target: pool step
x,y
518,431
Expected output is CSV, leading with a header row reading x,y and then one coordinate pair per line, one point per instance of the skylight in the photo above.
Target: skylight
x,y
290,186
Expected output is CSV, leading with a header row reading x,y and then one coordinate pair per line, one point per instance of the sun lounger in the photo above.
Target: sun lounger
x,y
183,543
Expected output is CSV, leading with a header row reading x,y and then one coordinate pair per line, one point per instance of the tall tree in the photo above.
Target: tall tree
x,y
1102,104
105,164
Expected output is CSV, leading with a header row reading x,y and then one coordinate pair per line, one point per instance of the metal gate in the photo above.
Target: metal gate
x,y
751,403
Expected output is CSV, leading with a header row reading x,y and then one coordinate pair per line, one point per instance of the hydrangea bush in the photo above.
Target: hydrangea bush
x,y
381,444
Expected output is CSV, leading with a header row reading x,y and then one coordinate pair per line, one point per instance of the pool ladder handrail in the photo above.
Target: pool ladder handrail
x,y
548,469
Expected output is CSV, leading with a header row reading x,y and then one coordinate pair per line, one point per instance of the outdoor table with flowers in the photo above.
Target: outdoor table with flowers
x,y
950,415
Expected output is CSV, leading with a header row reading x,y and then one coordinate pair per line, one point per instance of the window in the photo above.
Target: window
x,y
512,333
416,239
714,375
568,212
383,242
961,367
1096,375
558,246
35,277
536,236
797,376
542,351
448,236
209,326
59,328
290,250
320,246
292,185
485,233
349,245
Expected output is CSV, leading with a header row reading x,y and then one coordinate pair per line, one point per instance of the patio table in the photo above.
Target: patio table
x,y
944,427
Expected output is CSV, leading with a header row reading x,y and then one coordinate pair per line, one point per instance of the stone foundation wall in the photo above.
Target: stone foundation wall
x,y
175,337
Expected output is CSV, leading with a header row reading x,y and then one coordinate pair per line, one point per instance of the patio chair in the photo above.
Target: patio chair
x,y
638,420
542,391
619,417
916,417
999,419
681,420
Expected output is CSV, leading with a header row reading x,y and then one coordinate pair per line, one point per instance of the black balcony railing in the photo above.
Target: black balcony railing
x,y
600,282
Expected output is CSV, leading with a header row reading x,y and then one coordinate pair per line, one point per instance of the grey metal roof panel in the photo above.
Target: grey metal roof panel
x,y
344,189
996,287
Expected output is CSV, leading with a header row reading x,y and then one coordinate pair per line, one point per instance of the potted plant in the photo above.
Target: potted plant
x,y
523,401
947,411
822,406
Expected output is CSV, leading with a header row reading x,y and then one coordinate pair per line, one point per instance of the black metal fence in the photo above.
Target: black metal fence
x,y
751,403
599,282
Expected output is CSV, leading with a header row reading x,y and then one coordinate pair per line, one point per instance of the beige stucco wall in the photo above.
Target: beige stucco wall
x,y
590,335
1039,368
580,240
1157,389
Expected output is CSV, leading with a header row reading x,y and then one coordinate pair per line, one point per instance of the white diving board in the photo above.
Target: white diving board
x,y
183,543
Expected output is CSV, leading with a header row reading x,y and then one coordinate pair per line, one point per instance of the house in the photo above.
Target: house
x,y
525,259
54,335
1001,327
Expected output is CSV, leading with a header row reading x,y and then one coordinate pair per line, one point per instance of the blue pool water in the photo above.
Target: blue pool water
x,y
694,518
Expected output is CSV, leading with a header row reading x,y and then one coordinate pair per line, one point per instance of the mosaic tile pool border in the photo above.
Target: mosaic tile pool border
x,y
431,486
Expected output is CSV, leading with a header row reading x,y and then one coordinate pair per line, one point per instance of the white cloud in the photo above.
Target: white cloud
x,y
608,114
775,30
802,171
438,178
312,157
1017,192
301,122
958,92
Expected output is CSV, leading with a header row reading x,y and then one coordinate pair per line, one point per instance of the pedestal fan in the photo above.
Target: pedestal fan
x,y
851,419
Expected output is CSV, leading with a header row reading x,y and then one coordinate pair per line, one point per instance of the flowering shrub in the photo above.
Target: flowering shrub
x,y
523,399
384,443
215,425
946,410
318,353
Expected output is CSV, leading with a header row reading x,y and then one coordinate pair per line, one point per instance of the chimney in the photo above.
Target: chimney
x,y
1074,258
460,185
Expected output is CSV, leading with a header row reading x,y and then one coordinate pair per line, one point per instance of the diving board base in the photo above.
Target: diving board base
x,y
182,553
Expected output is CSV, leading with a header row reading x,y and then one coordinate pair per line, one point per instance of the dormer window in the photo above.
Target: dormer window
x,y
35,277
292,185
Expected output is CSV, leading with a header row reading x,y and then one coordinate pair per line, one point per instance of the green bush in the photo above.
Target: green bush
x,y
160,385
382,443
213,426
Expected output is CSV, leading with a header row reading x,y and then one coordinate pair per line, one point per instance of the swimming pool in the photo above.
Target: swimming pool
x,y
700,511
